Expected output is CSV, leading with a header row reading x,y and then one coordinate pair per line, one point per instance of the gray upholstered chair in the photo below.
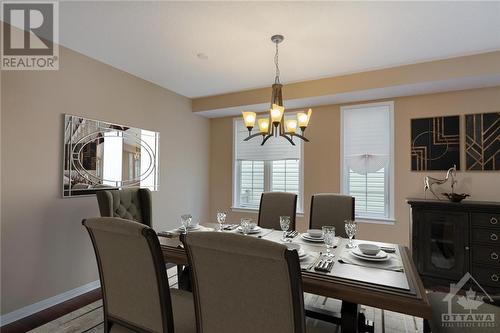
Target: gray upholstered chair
x,y
130,204
136,294
331,209
276,204
244,284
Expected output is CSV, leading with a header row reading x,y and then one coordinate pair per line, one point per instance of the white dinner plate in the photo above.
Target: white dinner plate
x,y
255,230
381,254
379,257
311,239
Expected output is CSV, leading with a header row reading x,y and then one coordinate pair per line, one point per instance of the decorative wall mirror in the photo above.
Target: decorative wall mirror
x,y
100,155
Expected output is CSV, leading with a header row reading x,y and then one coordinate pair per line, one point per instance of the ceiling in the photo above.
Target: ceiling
x,y
160,41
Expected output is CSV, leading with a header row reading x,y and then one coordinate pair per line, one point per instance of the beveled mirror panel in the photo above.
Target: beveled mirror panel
x,y
100,155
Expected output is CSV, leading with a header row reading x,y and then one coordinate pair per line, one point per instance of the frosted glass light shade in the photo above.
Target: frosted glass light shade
x,y
249,119
264,125
291,126
303,118
277,113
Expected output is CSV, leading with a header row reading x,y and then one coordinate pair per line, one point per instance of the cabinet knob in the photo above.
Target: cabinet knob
x,y
493,220
494,255
493,237
466,248
494,277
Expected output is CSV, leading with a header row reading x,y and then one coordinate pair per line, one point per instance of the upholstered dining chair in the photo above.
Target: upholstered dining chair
x,y
331,209
130,204
134,283
244,284
276,204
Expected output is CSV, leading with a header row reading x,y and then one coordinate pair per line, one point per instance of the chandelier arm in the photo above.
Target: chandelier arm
x,y
265,139
288,138
252,136
301,137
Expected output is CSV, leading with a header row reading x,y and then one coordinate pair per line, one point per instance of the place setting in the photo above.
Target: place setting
x,y
187,225
372,255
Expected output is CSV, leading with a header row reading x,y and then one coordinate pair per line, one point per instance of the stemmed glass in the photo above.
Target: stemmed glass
x,y
329,236
350,229
285,225
186,222
221,219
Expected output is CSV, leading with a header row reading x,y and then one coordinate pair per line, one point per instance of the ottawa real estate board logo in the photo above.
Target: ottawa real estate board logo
x,y
30,35
466,310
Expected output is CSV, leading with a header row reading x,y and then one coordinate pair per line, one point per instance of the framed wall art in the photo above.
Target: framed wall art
x,y
435,143
482,142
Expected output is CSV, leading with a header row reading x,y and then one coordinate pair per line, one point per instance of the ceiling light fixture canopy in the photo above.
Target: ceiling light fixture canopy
x,y
276,125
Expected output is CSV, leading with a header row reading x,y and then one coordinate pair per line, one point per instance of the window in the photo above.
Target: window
x,y
367,159
276,166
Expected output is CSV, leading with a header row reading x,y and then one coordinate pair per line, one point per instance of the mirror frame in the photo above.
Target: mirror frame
x,y
73,165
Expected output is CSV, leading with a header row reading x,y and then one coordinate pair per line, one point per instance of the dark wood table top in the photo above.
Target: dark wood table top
x,y
401,292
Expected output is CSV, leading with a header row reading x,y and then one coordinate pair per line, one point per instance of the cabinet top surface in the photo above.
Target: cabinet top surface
x,y
465,203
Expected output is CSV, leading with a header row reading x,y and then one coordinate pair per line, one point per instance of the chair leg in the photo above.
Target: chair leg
x,y
365,325
183,278
427,326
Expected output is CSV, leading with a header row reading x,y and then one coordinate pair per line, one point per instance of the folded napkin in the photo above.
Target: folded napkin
x,y
176,232
393,264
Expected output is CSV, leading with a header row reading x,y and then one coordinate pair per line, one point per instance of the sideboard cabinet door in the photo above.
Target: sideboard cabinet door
x,y
443,244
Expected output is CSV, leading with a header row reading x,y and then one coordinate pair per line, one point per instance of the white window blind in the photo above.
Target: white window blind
x,y
366,158
366,138
275,166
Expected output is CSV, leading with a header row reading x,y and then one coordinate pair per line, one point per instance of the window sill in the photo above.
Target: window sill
x,y
375,220
255,211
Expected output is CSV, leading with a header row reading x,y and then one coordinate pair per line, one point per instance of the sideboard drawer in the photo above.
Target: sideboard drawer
x,y
491,236
489,276
485,219
486,254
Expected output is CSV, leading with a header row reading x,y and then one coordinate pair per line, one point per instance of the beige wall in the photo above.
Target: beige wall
x,y
44,248
477,65
322,164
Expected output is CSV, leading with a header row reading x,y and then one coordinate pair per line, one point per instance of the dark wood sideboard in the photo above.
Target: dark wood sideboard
x,y
450,239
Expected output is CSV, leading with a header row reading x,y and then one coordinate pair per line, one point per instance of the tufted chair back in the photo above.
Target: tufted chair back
x,y
129,204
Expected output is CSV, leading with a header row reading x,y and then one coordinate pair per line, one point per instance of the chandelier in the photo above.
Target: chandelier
x,y
276,124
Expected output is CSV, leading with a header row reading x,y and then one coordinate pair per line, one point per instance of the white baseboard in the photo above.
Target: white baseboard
x,y
47,303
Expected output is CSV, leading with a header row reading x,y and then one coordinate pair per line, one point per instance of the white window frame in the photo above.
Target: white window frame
x,y
267,177
344,173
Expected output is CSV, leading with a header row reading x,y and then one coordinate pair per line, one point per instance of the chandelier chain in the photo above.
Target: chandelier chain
x,y
277,77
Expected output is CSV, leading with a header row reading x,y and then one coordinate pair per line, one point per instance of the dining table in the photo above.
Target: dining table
x,y
395,287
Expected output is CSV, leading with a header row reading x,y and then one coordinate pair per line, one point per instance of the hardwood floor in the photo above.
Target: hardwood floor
x,y
88,316
40,318
50,314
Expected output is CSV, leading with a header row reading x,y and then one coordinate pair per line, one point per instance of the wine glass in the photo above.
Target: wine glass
x,y
246,225
329,239
186,222
221,219
350,229
285,225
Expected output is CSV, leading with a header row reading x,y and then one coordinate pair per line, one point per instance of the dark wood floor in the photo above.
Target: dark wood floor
x,y
52,313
